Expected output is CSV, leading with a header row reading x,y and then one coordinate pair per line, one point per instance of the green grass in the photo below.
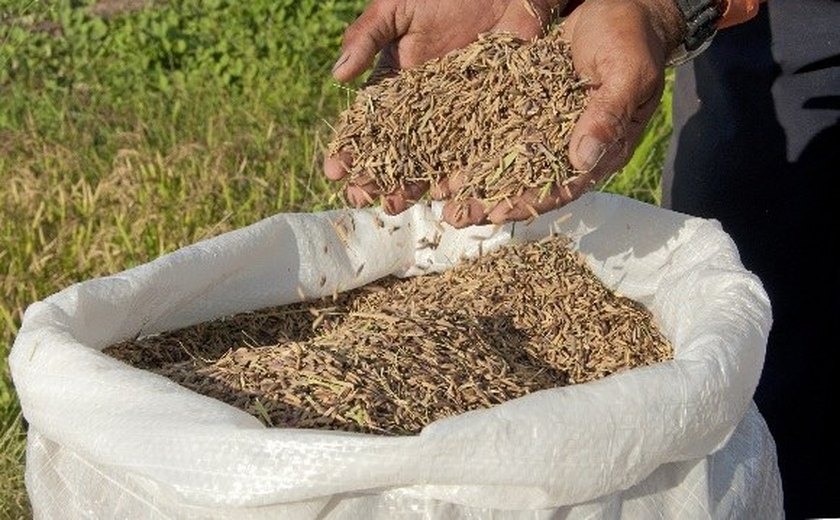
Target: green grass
x,y
125,138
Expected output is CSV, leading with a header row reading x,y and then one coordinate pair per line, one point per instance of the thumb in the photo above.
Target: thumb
x,y
602,126
365,37
613,47
615,117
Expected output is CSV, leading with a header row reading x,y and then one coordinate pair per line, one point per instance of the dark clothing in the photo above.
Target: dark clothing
x,y
756,145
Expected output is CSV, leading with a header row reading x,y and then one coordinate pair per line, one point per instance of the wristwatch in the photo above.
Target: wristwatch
x,y
701,19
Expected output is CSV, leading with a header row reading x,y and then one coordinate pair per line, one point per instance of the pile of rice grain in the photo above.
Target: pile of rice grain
x,y
498,113
392,357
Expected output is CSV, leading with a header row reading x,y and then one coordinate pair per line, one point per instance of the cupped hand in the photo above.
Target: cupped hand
x,y
408,33
619,45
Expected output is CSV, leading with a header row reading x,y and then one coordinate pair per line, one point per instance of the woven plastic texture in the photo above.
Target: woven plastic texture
x,y
681,439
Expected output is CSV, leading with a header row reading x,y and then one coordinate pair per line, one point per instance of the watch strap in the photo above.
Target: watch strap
x,y
701,18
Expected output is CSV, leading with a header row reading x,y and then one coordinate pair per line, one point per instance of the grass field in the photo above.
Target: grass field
x,y
127,136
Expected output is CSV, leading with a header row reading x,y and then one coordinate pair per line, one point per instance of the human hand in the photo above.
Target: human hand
x,y
620,45
409,33
412,32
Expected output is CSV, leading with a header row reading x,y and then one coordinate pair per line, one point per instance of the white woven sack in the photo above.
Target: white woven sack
x,y
680,439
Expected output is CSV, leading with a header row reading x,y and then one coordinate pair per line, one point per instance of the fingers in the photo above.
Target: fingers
x,y
336,166
364,191
536,202
458,211
402,199
527,18
441,190
364,38
603,124
616,47
532,203
462,213
618,153
613,45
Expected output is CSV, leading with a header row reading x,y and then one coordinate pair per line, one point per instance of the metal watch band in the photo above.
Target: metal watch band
x,y
680,55
701,17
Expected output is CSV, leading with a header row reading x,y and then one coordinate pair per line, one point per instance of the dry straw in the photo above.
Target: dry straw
x,y
390,358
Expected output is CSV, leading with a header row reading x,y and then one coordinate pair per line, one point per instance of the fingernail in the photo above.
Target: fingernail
x,y
590,151
341,61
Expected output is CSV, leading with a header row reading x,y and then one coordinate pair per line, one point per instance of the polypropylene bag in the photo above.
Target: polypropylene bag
x,y
680,439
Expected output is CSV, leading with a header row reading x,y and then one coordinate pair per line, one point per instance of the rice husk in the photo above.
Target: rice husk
x,y
495,118
391,357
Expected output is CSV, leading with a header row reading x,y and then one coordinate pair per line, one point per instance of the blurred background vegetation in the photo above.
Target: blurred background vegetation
x,y
130,128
